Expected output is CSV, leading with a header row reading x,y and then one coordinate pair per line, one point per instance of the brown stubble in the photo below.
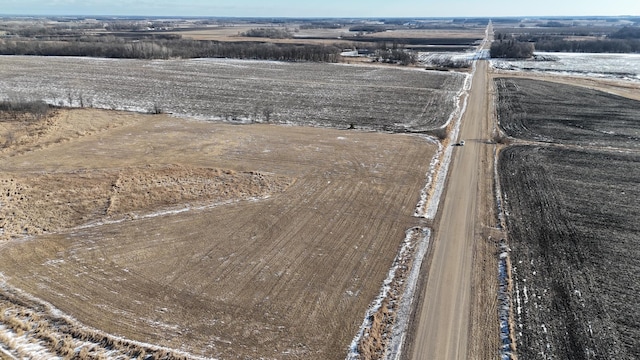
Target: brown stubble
x,y
289,275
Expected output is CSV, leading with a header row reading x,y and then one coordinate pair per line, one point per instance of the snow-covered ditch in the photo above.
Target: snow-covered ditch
x,y
22,346
393,335
404,310
397,293
436,177
505,304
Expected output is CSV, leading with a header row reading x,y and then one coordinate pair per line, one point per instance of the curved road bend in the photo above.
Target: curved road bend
x,y
442,330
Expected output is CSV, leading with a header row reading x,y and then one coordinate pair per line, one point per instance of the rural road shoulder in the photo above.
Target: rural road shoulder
x,y
442,329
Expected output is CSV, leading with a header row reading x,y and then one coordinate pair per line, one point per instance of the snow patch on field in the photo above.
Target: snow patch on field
x,y
22,346
28,346
166,212
615,66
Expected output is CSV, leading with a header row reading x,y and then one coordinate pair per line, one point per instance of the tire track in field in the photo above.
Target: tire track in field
x,y
294,272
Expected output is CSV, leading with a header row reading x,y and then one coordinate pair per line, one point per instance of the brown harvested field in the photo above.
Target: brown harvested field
x,y
324,36
432,33
229,241
234,33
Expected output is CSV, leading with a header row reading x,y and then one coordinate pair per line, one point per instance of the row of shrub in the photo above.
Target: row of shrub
x,y
17,107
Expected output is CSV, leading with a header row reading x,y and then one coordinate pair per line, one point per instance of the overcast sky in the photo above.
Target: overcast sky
x,y
323,8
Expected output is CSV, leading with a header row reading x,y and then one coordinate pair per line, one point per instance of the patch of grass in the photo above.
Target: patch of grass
x,y
13,109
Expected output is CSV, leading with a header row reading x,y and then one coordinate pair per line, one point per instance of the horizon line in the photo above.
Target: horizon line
x,y
323,17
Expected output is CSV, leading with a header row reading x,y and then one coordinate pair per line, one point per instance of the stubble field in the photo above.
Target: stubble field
x,y
316,94
229,241
571,202
438,36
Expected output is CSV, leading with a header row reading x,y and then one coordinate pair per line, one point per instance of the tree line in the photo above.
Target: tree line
x,y
627,32
172,48
511,49
589,46
624,40
271,33
396,56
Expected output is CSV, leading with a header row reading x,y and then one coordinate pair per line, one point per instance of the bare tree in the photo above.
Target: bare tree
x,y
157,109
266,112
70,98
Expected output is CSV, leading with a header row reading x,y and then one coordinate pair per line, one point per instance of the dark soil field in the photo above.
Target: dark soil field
x,y
572,220
556,113
572,215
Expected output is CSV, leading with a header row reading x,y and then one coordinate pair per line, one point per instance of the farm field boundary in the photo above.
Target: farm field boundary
x,y
214,281
569,200
344,96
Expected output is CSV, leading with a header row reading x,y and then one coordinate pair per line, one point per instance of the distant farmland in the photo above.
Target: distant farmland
x,y
330,95
240,241
218,239
571,200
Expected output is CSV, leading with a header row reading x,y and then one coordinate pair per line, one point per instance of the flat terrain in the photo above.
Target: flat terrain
x,y
339,36
234,33
456,317
577,115
312,94
570,198
444,324
285,268
627,89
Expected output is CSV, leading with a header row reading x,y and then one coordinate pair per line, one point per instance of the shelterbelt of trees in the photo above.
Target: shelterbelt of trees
x,y
168,48
522,45
589,46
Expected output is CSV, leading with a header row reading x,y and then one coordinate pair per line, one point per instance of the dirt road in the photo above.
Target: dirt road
x,y
442,331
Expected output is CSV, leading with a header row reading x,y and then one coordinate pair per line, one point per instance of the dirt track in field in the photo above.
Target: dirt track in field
x,y
285,272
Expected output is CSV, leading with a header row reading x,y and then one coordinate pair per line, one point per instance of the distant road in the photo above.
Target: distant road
x,y
442,330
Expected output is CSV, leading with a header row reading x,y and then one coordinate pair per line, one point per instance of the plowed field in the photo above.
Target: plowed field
x,y
560,113
229,241
571,203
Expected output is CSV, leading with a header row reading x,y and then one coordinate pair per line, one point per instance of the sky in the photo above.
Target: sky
x,y
323,8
